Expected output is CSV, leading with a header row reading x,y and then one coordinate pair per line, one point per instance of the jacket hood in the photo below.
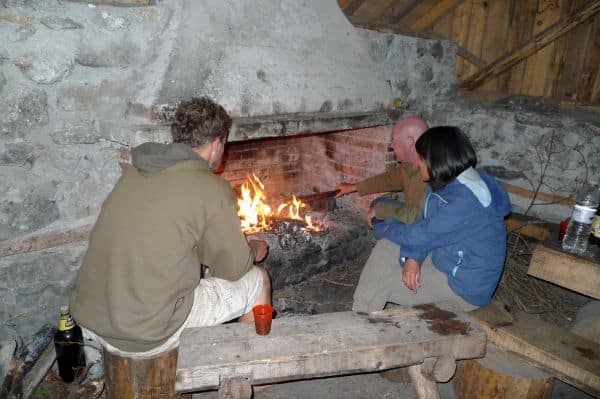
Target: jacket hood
x,y
500,204
155,157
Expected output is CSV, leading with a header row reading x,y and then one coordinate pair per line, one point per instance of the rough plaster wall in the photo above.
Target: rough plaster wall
x,y
420,72
66,77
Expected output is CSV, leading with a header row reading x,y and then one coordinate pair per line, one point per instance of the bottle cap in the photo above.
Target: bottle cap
x,y
64,310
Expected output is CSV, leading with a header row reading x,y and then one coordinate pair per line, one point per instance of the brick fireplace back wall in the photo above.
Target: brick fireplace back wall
x,y
311,163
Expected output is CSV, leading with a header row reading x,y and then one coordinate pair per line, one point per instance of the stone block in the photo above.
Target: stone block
x,y
115,50
17,154
39,282
2,81
108,97
25,109
38,209
112,22
45,67
75,133
82,190
60,23
21,33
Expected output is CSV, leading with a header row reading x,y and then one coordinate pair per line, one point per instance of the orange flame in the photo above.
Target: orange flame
x,y
256,215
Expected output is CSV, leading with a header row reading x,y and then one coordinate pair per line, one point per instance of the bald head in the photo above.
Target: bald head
x,y
404,136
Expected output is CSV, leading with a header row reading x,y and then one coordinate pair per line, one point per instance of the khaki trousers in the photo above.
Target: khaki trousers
x,y
381,282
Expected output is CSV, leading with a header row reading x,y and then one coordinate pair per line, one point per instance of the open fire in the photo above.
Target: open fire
x,y
257,215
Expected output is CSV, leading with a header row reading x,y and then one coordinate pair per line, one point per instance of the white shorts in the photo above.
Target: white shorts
x,y
215,302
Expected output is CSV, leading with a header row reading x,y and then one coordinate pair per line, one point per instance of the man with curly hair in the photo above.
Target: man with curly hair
x,y
140,283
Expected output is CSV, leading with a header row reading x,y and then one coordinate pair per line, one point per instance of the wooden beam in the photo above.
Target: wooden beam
x,y
523,192
571,358
404,11
573,272
406,31
436,13
538,42
45,240
352,6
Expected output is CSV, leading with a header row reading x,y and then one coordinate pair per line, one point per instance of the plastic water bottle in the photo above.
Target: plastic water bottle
x,y
580,225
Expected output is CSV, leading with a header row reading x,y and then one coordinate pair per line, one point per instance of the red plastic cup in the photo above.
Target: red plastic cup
x,y
562,229
263,316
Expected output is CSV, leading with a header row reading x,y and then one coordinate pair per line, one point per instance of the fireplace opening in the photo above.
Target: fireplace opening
x,y
308,229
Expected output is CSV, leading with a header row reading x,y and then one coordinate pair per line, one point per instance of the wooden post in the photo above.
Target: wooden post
x,y
423,386
500,375
235,388
152,378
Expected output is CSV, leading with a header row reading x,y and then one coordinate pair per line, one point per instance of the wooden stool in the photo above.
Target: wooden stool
x,y
152,378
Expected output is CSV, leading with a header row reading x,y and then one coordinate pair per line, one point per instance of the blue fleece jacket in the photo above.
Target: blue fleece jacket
x,y
463,227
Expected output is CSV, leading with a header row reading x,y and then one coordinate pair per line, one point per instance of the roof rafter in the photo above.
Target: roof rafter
x,y
535,44
436,13
352,6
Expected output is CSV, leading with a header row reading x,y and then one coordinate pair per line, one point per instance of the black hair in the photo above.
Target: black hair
x,y
447,152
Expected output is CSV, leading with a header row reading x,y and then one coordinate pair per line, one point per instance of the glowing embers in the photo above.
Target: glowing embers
x,y
257,215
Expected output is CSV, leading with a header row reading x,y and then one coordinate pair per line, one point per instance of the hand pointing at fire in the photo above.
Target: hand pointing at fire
x,y
345,188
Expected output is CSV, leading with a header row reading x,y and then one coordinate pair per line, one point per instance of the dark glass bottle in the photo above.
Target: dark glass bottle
x,y
68,344
595,233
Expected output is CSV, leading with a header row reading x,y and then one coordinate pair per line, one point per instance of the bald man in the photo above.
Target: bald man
x,y
404,177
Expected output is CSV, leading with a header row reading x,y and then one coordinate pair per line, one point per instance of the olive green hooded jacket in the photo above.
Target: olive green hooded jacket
x,y
164,218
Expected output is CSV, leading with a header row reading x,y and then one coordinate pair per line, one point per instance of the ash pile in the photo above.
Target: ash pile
x,y
296,254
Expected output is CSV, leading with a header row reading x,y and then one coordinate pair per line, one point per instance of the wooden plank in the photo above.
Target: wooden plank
x,y
460,32
352,6
590,69
538,42
496,28
435,13
406,31
417,12
343,3
520,30
529,226
539,64
571,358
444,26
576,273
539,196
595,95
404,10
374,9
477,23
565,74
322,345
45,240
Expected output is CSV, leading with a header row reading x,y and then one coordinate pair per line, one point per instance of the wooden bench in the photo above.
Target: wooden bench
x,y
428,338
568,357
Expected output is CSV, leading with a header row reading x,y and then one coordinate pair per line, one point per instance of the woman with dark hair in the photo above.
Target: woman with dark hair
x,y
457,248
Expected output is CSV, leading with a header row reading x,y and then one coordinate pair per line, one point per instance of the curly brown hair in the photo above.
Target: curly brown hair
x,y
199,121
